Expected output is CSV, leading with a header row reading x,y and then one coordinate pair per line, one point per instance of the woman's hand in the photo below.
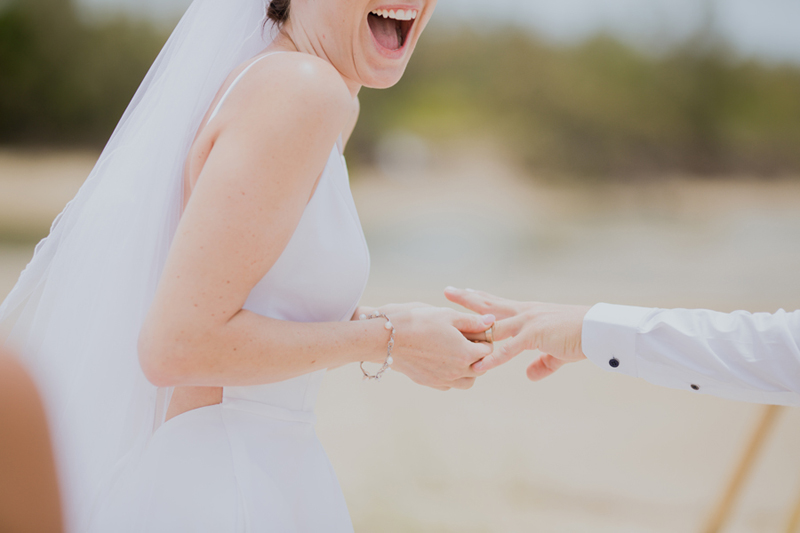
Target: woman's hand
x,y
430,347
550,328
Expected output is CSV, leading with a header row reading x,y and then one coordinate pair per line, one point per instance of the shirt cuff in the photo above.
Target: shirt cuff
x,y
609,336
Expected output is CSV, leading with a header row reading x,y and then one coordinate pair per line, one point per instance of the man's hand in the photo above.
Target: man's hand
x,y
552,329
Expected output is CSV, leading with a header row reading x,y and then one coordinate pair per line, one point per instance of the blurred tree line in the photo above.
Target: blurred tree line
x,y
598,108
65,80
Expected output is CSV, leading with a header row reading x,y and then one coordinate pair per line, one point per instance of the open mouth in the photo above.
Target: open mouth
x,y
391,27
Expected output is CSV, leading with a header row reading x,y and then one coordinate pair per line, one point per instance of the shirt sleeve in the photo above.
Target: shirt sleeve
x,y
752,357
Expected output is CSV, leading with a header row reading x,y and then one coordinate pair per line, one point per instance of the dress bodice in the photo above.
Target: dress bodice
x,y
319,277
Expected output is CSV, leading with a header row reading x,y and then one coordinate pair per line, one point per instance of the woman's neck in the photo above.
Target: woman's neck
x,y
294,39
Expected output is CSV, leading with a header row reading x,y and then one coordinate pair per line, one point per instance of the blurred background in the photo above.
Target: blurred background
x,y
642,152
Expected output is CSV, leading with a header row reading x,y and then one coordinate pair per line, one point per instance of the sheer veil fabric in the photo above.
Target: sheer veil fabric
x,y
76,311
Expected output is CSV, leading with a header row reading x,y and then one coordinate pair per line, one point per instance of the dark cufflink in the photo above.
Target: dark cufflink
x,y
695,387
614,363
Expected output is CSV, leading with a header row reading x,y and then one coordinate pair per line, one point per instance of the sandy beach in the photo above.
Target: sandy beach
x,y
584,451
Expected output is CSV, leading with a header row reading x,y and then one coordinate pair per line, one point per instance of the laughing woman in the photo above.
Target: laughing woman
x,y
185,308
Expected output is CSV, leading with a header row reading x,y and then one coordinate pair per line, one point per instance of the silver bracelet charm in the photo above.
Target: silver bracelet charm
x,y
389,360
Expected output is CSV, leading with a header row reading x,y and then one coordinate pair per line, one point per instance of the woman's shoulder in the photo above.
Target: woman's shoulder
x,y
294,79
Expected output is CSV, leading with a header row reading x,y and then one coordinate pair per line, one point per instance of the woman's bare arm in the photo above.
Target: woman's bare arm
x,y
244,208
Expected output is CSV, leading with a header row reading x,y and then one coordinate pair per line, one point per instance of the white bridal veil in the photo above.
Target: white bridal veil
x,y
76,311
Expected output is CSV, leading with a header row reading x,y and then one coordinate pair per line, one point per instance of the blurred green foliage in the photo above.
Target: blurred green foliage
x,y
64,80
599,108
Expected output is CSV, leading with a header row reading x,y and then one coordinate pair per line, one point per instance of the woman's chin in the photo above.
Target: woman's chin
x,y
385,72
384,79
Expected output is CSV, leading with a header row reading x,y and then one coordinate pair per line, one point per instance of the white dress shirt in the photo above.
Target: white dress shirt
x,y
739,356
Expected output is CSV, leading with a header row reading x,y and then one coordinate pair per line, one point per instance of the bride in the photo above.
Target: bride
x,y
182,313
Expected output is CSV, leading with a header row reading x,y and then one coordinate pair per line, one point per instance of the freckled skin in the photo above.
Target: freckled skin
x,y
227,242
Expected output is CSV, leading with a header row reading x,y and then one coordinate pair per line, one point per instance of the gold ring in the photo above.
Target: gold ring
x,y
489,334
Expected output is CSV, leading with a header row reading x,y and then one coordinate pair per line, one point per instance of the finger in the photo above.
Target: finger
x,y
463,383
544,367
510,327
443,389
476,337
501,355
502,330
473,323
480,302
478,351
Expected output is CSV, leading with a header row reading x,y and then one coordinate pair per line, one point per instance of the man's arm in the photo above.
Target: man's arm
x,y
739,356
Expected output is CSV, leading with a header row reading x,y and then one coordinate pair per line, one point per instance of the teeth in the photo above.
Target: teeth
x,y
410,14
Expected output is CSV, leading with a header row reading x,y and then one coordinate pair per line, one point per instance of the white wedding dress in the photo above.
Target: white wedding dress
x,y
253,463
